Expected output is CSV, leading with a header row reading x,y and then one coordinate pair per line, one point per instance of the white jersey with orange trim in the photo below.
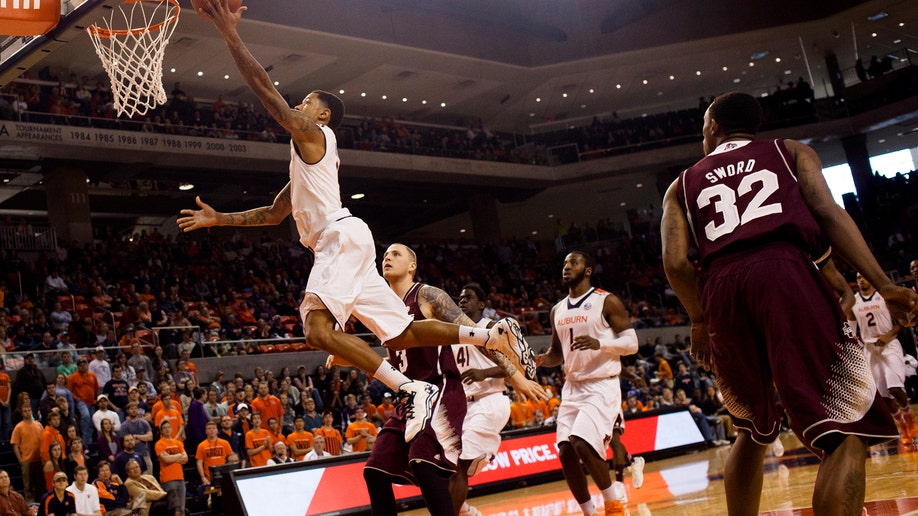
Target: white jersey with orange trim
x,y
583,316
469,357
315,195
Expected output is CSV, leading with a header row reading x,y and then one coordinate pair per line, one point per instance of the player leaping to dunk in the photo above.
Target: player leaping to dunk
x,y
343,280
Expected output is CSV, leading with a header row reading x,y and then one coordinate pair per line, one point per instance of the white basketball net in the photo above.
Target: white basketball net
x,y
132,52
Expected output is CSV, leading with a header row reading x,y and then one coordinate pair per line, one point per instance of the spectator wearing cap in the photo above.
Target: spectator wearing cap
x,y
65,346
104,412
141,378
85,388
243,419
129,338
386,408
58,501
99,367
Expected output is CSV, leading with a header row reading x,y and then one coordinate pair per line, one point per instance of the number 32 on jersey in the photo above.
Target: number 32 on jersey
x,y
724,199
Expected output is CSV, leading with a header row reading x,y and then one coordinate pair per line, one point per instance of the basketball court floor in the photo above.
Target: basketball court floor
x,y
693,485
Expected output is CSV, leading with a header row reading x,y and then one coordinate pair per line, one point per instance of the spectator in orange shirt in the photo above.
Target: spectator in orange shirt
x,y
299,440
330,434
664,371
84,386
633,405
51,434
172,413
211,452
361,433
172,456
267,404
521,413
258,443
26,441
6,427
386,408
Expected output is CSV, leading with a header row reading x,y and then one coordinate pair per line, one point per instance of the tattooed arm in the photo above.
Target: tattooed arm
x,y
436,304
309,139
264,216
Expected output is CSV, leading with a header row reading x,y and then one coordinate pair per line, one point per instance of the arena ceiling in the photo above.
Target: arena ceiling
x,y
520,65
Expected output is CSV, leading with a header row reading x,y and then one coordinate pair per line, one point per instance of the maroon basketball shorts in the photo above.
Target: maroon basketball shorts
x,y
439,443
777,330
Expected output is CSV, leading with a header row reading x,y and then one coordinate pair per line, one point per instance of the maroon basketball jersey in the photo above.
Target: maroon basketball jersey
x,y
429,363
745,194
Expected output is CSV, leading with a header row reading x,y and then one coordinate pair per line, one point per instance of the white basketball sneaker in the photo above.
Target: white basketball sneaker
x,y
468,510
506,337
620,494
637,472
418,398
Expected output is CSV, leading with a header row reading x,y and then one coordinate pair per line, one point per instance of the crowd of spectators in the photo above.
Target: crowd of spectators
x,y
73,101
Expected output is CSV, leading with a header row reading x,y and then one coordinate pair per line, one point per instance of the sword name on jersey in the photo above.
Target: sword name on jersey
x,y
730,170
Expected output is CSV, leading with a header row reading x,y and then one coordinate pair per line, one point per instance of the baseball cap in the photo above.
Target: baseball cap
x,y
387,395
100,349
60,474
242,406
99,397
134,388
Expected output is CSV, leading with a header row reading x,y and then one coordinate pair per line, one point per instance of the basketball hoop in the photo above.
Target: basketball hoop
x,y
132,52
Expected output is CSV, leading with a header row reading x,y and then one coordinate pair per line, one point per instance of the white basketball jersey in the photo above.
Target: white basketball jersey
x,y
469,357
872,316
583,316
315,195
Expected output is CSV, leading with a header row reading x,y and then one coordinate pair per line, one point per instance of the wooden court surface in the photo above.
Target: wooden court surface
x,y
693,485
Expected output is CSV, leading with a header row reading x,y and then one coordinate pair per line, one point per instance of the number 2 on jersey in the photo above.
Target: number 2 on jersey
x,y
724,199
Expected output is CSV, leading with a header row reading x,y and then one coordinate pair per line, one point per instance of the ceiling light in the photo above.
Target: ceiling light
x,y
902,24
172,70
276,83
185,187
443,104
736,80
424,102
538,99
618,86
551,215
873,34
758,55
878,16
897,41
200,74
384,97
531,115
787,72
462,230
725,68
6,180
534,232
697,72
672,77
340,92
591,90
622,203
87,180
582,106
226,76
404,99
645,81
639,185
363,94
751,63
882,140
777,59
358,196
564,95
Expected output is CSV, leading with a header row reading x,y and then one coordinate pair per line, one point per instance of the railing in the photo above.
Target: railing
x,y
28,238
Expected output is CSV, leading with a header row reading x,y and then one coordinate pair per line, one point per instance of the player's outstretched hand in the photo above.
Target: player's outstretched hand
x,y
701,345
218,12
902,303
197,219
529,389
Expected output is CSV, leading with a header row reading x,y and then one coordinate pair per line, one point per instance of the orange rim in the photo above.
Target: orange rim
x,y
108,33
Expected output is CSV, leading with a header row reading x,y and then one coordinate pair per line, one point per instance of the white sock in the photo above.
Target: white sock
x,y
473,335
390,376
588,508
608,494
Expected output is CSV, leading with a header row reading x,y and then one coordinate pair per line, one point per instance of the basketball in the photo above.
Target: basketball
x,y
233,5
